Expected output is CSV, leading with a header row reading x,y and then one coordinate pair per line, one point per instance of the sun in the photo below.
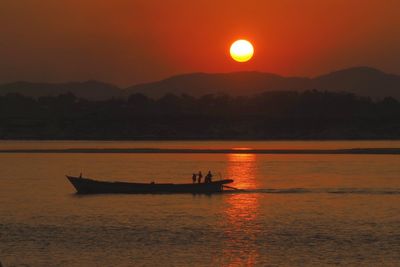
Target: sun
x,y
242,50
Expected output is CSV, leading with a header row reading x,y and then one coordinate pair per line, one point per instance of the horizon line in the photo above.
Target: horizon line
x,y
344,151
198,72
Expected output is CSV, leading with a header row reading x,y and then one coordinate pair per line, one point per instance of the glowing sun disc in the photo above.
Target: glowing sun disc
x,y
242,50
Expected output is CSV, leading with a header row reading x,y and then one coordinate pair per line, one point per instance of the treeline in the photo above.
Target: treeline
x,y
272,115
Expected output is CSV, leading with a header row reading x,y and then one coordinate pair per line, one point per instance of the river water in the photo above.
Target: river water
x,y
297,209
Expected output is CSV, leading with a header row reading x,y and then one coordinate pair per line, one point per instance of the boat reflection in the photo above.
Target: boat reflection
x,y
241,213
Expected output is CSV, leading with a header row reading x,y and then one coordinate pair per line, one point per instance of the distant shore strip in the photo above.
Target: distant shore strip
x,y
372,151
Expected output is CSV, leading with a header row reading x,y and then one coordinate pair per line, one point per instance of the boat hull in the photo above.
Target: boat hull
x,y
90,186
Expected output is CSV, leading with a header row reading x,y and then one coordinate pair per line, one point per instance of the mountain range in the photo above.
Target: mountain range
x,y
363,81
92,90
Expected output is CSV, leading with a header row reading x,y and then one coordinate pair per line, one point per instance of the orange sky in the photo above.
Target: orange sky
x,y
130,41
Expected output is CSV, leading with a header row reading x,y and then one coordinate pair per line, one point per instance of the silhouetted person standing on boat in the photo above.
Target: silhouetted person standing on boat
x,y
208,178
200,176
194,178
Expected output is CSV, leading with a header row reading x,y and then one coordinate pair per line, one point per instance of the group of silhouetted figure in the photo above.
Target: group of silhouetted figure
x,y
197,177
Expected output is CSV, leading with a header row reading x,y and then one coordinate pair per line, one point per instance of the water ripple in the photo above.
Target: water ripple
x,y
367,191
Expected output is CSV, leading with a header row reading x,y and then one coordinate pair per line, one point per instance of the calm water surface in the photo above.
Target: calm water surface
x,y
298,209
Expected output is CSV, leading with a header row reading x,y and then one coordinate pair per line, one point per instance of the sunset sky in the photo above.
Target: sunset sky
x,y
130,41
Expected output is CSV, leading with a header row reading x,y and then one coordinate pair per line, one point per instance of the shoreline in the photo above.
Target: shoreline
x,y
351,151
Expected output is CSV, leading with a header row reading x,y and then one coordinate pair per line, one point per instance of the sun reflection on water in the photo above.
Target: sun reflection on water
x,y
241,213
242,169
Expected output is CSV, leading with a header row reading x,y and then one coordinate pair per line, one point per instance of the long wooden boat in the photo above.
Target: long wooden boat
x,y
90,186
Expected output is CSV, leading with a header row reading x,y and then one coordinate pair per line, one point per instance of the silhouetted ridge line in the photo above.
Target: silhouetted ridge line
x,y
363,81
92,90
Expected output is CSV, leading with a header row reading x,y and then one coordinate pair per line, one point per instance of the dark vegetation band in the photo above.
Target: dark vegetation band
x,y
272,115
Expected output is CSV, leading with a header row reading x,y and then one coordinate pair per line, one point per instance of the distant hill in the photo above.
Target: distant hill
x,y
92,90
235,83
363,81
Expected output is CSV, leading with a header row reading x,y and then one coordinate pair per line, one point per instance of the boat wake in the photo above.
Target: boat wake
x,y
361,191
